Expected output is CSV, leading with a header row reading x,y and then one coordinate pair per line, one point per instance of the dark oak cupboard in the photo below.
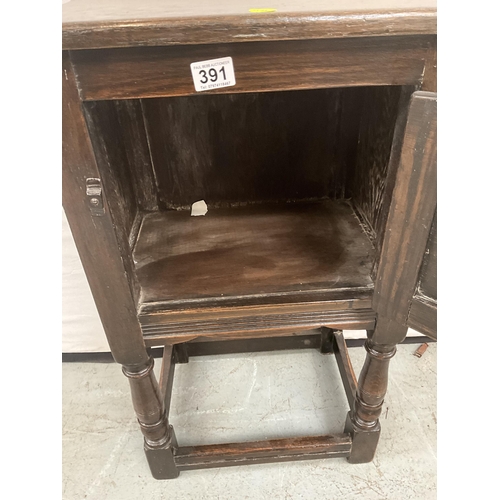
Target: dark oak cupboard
x,y
318,167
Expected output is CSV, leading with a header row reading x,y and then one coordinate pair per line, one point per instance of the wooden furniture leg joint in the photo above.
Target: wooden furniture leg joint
x,y
364,440
148,405
152,415
363,421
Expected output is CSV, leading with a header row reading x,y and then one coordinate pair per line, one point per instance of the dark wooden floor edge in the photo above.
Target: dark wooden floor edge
x,y
157,352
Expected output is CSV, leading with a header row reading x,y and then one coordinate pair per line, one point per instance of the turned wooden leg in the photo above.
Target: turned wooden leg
x,y
159,437
363,422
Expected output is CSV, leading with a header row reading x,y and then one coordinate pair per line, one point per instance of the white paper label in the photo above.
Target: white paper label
x,y
199,208
213,74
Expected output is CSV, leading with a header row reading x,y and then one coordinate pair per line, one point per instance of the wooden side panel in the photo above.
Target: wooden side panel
x,y
371,181
429,82
391,170
120,141
409,220
351,110
259,66
423,311
95,237
134,141
107,140
108,144
247,147
428,273
423,316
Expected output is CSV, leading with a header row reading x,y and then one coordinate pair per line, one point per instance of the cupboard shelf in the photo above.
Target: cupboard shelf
x,y
236,253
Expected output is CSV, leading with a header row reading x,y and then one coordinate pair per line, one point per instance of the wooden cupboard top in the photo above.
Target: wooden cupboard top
x,y
128,23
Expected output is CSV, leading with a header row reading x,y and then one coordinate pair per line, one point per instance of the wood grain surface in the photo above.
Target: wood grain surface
x,y
262,249
428,272
280,251
109,148
409,221
95,237
423,310
221,455
247,147
162,328
423,316
259,66
109,10
116,23
166,381
370,179
253,271
345,367
134,141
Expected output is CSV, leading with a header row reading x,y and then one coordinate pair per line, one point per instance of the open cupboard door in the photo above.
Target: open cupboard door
x,y
422,315
405,287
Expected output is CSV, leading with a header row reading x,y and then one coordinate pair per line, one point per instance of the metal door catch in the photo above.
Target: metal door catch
x,y
94,197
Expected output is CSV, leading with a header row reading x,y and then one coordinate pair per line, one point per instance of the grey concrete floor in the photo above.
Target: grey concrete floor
x,y
248,397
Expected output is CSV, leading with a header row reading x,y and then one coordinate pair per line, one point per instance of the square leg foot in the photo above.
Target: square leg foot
x,y
364,442
161,462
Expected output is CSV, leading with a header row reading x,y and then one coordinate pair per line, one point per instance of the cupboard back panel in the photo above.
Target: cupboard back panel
x,y
248,147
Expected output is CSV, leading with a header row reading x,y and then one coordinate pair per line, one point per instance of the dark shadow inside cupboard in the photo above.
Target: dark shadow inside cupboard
x,y
297,185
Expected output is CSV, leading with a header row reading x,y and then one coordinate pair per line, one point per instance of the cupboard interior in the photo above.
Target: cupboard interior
x,y
297,185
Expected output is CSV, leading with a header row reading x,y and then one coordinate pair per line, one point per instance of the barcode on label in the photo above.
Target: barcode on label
x,y
213,74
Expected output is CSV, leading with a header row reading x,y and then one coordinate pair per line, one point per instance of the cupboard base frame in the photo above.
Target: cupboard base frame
x,y
357,443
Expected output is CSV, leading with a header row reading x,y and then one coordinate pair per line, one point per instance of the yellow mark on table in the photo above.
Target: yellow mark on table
x,y
257,11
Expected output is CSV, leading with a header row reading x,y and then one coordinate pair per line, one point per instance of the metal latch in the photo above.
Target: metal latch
x,y
94,196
